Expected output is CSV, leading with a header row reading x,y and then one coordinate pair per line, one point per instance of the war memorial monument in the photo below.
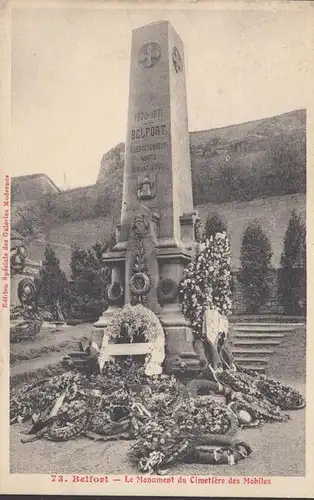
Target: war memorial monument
x,y
188,407
157,205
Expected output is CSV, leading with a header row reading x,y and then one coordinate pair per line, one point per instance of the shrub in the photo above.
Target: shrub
x,y
53,286
88,282
255,259
292,277
213,224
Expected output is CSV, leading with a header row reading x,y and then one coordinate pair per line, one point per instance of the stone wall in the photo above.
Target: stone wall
x,y
31,187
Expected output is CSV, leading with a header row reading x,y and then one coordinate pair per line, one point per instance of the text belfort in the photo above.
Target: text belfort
x,y
148,132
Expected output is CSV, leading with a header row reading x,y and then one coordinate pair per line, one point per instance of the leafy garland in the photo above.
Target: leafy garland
x,y
140,228
206,282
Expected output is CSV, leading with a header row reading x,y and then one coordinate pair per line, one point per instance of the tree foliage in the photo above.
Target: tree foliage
x,y
255,259
89,281
292,277
213,224
53,286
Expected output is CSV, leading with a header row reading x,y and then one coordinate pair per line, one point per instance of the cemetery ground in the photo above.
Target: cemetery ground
x,y
278,448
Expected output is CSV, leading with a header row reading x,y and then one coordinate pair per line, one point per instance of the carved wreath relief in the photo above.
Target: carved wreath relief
x,y
18,256
26,291
167,291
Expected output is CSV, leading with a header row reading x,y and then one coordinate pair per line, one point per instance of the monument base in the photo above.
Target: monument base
x,y
106,317
181,358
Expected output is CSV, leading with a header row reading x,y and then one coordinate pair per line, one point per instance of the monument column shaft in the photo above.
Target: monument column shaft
x,y
157,170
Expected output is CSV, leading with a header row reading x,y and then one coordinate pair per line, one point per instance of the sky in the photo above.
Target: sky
x,y
70,78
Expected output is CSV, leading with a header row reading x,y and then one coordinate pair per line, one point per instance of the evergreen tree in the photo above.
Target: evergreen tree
x,y
88,281
255,259
213,224
292,277
53,286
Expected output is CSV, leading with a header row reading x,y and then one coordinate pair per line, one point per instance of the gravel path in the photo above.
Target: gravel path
x,y
47,342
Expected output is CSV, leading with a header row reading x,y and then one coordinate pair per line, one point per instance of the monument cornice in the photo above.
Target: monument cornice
x,y
174,253
114,256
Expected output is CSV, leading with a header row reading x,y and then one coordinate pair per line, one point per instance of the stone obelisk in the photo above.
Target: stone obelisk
x,y
157,145
157,214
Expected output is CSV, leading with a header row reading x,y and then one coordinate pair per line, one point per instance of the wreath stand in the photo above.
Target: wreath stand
x,y
110,351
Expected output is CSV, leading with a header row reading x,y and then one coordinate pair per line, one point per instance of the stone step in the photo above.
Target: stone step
x,y
257,368
270,318
268,323
248,360
263,327
257,343
256,335
252,350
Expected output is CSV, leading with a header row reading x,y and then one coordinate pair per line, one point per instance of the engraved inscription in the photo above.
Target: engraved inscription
x,y
149,151
144,148
151,131
148,158
148,115
149,168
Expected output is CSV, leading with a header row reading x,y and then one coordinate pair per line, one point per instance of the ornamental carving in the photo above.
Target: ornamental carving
x,y
177,60
140,282
115,293
18,256
140,226
105,273
149,54
167,290
26,291
146,189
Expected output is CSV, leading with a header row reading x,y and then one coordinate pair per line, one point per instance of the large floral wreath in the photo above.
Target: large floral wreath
x,y
206,282
137,324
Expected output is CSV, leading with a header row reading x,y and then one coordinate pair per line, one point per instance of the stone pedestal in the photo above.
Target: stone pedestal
x,y
106,317
178,330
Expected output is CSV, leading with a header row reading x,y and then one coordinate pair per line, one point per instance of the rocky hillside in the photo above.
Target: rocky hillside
x,y
237,163
247,171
